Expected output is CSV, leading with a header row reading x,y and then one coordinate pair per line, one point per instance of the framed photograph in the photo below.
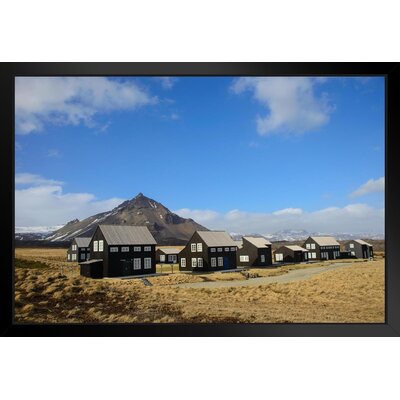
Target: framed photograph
x,y
200,199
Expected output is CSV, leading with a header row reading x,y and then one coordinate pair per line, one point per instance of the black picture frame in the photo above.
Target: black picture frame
x,y
391,72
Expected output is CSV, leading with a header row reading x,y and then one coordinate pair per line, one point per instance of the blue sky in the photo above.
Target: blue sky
x,y
242,154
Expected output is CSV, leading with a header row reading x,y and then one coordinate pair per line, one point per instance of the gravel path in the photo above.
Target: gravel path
x,y
291,276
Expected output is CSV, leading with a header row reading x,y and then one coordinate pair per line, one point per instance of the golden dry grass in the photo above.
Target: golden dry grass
x,y
352,294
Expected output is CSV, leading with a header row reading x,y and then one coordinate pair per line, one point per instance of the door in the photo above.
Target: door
x,y
227,263
126,267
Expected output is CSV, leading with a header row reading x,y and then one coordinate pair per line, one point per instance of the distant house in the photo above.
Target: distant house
x,y
79,249
322,248
254,252
167,255
291,253
120,250
359,248
208,251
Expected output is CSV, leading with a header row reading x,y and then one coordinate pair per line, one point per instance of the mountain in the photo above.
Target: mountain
x,y
167,228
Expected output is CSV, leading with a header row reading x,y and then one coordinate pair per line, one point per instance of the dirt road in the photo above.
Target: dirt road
x,y
291,276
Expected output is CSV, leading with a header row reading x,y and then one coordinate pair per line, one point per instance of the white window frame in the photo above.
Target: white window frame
x,y
219,249
96,245
137,264
226,249
262,258
183,262
213,249
147,263
199,247
278,256
313,255
353,253
305,255
308,246
172,258
113,249
73,258
83,256
213,262
147,248
101,245
312,246
69,257
244,258
125,249
137,248
199,262
351,245
233,248
194,262
162,257
193,247
220,261
74,247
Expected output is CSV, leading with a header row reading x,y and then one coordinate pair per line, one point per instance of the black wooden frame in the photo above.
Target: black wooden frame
x,y
391,72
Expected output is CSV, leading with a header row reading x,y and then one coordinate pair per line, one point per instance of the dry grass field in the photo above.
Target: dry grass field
x,y
50,290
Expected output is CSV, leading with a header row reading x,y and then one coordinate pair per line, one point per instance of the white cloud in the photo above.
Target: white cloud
x,y
72,100
353,218
32,179
372,186
43,203
291,103
53,153
167,82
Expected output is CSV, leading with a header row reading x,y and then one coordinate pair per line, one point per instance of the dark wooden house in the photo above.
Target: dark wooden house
x,y
167,255
254,252
322,248
208,251
359,249
79,250
121,250
291,253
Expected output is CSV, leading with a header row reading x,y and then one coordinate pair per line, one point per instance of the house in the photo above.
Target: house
x,y
208,251
79,249
120,250
254,252
359,248
167,255
322,248
291,253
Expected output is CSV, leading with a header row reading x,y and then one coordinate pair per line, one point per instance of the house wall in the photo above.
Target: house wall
x,y
360,250
331,250
159,252
254,254
290,255
77,253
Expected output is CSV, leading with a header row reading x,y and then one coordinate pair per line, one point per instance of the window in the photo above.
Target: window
x,y
219,249
95,245
83,256
213,262
263,258
74,247
244,258
313,246
278,256
305,256
233,248
213,250
113,249
353,253
172,258
125,249
226,249
147,248
137,248
193,247
137,263
183,262
194,262
147,263
220,261
101,245
352,245
68,257
73,257
313,255
199,247
308,246
200,262
162,257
